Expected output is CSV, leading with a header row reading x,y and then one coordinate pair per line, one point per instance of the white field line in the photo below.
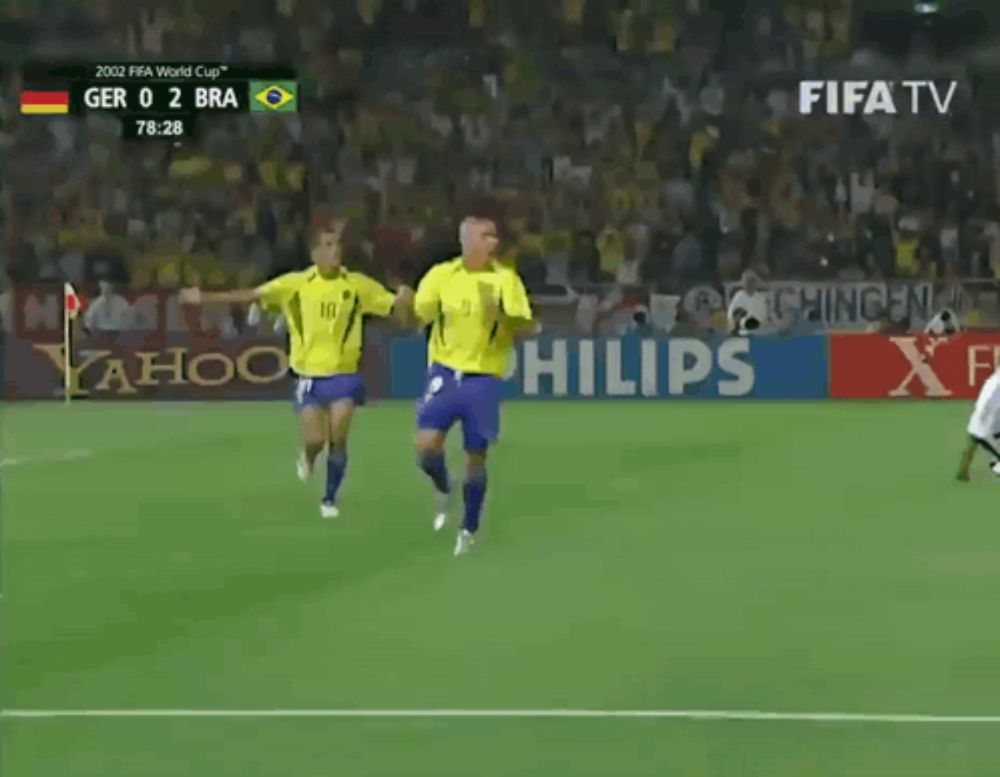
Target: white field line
x,y
46,458
566,714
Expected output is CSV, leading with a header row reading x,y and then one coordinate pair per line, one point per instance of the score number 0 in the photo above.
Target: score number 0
x,y
146,98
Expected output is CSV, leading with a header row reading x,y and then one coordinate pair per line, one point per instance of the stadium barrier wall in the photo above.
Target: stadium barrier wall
x,y
148,367
868,366
839,366
166,367
632,367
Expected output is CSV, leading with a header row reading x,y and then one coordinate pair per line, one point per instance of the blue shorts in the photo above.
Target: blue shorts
x,y
323,392
451,396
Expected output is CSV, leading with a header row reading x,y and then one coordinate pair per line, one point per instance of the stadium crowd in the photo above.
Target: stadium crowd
x,y
633,143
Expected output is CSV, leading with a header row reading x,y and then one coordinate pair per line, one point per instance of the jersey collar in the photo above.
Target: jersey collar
x,y
341,273
491,265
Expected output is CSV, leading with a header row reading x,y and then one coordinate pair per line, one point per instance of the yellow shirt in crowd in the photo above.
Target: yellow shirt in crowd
x,y
906,257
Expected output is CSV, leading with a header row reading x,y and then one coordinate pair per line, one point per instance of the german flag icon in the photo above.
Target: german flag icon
x,y
44,102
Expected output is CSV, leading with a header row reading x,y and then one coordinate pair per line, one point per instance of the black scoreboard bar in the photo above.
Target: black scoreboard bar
x,y
158,100
159,96
36,72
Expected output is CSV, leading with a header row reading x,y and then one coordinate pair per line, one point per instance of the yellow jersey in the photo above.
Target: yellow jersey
x,y
451,298
611,248
906,257
324,317
294,335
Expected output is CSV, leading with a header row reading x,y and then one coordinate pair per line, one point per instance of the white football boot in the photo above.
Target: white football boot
x,y
328,510
464,542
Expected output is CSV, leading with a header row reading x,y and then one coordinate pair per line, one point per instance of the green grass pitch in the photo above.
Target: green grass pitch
x,y
784,557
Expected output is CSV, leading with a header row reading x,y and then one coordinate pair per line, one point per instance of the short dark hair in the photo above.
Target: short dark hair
x,y
486,209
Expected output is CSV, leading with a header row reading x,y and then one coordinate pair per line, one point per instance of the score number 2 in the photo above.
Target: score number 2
x,y
146,98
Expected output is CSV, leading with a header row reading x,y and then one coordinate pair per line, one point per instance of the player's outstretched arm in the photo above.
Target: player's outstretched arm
x,y
195,296
966,461
377,300
273,294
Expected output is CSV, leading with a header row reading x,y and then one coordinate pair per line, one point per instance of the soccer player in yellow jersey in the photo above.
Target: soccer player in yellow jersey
x,y
324,307
474,306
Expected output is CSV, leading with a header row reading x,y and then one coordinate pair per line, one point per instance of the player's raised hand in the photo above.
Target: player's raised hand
x,y
531,329
402,308
190,296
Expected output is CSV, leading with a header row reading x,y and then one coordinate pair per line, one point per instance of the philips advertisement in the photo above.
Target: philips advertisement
x,y
635,368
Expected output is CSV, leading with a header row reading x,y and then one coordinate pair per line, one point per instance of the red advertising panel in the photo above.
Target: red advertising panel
x,y
157,368
164,351
864,366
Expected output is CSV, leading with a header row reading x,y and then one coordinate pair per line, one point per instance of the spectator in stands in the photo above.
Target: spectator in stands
x,y
750,309
656,269
585,261
907,263
638,324
611,248
948,241
109,312
688,258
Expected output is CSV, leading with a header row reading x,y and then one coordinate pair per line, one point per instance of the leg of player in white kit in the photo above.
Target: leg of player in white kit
x,y
970,451
982,434
983,427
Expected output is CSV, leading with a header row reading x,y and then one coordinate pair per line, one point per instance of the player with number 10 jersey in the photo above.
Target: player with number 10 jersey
x,y
324,307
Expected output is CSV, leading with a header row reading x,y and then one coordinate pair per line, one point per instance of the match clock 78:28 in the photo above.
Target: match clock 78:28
x,y
139,127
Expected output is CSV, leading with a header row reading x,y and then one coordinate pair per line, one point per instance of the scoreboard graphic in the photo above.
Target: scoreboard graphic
x,y
158,100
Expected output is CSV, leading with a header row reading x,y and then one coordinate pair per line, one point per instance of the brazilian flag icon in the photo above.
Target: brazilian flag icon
x,y
274,96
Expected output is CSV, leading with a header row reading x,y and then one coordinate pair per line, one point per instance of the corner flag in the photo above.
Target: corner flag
x,y
72,305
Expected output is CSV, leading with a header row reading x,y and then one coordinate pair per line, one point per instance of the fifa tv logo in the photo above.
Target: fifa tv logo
x,y
873,98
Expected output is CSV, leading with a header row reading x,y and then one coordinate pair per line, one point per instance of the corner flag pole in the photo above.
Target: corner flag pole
x,y
71,307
